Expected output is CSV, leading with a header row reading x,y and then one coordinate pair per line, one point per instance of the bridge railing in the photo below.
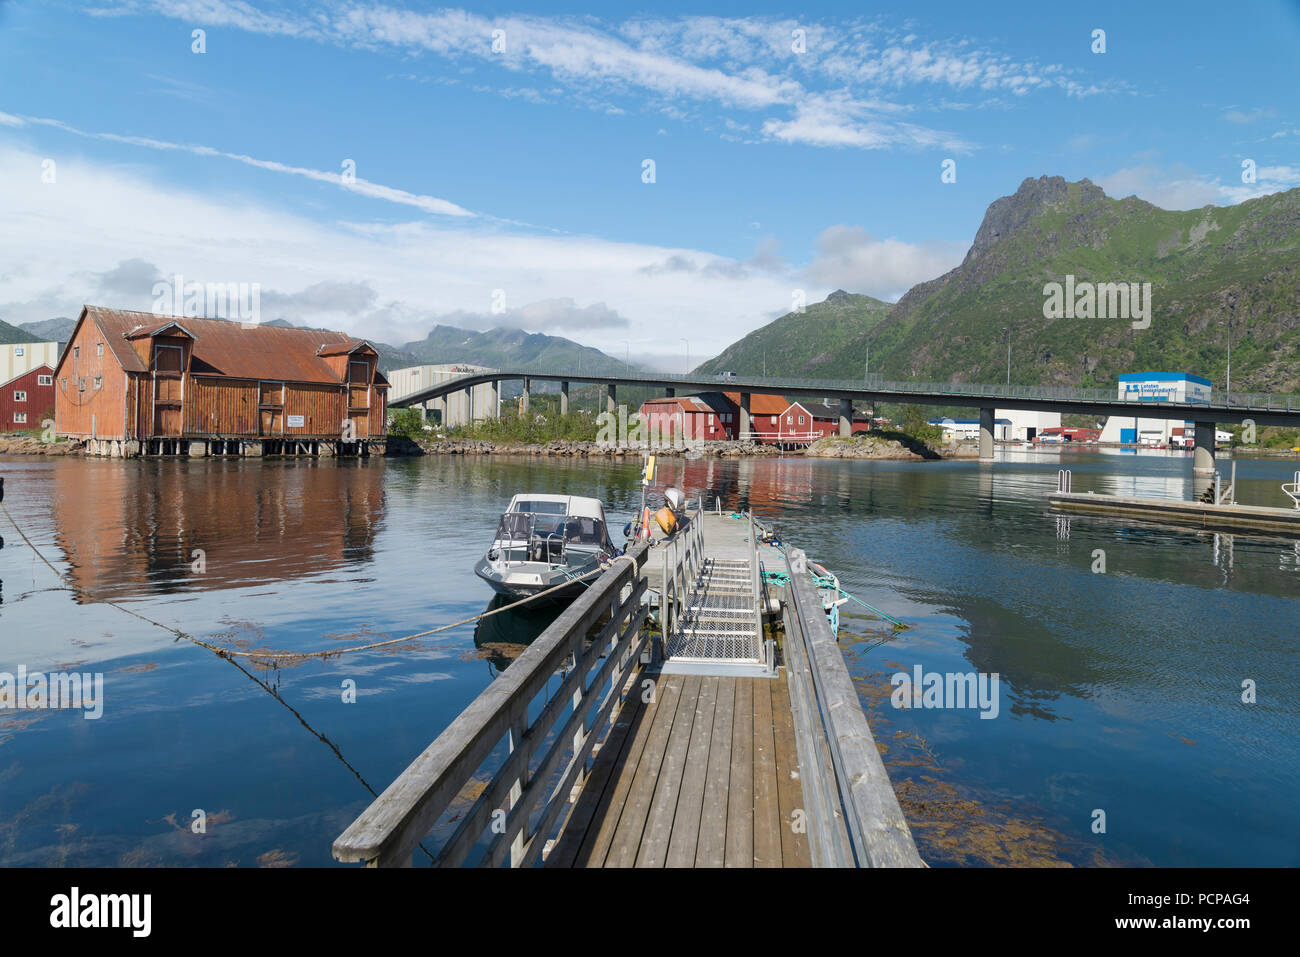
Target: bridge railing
x,y
875,383
548,736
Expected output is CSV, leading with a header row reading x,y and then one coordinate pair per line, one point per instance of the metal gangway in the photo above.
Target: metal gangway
x,y
711,599
1292,489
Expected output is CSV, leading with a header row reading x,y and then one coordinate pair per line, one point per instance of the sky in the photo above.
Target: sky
x,y
648,181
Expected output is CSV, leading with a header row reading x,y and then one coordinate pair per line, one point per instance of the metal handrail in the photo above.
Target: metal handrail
x,y
877,385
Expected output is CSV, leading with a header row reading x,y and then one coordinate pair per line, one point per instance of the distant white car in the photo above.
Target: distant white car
x,y
726,375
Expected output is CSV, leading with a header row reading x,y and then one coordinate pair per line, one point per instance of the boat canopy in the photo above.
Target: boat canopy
x,y
574,506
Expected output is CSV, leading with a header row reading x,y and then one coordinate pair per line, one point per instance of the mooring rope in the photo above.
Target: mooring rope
x,y
274,657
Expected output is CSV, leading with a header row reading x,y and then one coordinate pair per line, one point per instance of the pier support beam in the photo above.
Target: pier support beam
x,y
611,398
744,415
986,435
564,398
494,399
846,417
523,399
1203,457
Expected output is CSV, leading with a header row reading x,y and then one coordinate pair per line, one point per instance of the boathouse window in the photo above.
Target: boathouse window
x,y
63,383
710,418
789,420
76,352
81,384
99,348
801,420
99,382
45,380
20,416
20,396
774,420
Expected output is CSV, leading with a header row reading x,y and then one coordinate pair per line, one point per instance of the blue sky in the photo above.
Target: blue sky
x,y
519,173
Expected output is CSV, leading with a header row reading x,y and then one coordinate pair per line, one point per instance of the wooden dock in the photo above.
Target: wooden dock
x,y
639,758
704,775
1221,517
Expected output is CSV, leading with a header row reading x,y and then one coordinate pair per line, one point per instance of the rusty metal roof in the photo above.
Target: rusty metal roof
x,y
761,403
234,349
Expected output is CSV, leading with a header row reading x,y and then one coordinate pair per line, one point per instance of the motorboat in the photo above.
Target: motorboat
x,y
543,541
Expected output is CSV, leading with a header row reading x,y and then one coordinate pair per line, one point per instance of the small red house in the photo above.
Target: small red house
x,y
764,414
703,417
809,421
27,400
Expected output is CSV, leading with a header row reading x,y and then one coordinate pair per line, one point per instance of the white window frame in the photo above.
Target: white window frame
x,y
20,417
99,382
801,420
45,380
20,395
99,348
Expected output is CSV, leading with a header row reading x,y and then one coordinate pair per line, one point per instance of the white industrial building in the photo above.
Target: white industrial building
x,y
1157,387
1008,426
20,357
458,408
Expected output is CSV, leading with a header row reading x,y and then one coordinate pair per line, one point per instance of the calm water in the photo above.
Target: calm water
x,y
1119,691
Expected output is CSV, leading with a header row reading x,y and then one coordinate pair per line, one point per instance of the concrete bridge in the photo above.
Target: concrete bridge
x,y
1222,407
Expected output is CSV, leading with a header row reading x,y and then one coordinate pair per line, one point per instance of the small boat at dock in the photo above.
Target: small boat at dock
x,y
543,541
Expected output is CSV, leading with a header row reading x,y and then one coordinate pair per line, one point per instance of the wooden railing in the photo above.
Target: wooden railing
x,y
519,808
854,816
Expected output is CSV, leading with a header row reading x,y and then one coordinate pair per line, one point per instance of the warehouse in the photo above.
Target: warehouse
x,y
1155,387
450,411
131,383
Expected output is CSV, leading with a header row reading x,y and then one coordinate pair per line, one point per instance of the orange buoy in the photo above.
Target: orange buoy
x,y
666,519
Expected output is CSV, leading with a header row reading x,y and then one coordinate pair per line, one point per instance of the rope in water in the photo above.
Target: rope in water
x,y
276,656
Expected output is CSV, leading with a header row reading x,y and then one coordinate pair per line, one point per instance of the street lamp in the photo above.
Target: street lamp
x,y
1007,333
627,356
1229,384
688,354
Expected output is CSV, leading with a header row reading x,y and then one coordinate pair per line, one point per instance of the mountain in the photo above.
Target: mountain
x,y
1207,267
803,343
513,348
49,330
10,333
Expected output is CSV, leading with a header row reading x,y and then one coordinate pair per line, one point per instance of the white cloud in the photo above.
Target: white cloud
x,y
729,64
358,184
101,232
851,259
1178,187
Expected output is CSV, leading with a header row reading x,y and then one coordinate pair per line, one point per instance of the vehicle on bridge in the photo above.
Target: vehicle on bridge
x,y
543,541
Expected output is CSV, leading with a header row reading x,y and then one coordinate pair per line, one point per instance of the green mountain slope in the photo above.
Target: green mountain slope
x,y
1207,267
10,333
803,344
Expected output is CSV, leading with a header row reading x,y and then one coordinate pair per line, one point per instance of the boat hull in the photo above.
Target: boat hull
x,y
526,579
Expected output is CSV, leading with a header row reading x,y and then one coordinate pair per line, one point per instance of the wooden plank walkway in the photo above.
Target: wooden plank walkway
x,y
703,775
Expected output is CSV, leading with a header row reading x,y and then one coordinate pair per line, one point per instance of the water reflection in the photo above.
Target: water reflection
x,y
504,634
161,527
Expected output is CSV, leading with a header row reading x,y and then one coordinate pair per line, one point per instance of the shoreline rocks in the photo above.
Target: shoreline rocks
x,y
26,445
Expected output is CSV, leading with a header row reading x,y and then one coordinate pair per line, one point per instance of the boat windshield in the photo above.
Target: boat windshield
x,y
540,508
553,531
584,531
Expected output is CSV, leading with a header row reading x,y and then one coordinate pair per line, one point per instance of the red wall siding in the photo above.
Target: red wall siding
x,y
39,403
